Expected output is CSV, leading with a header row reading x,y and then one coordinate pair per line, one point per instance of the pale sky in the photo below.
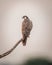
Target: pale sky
x,y
40,41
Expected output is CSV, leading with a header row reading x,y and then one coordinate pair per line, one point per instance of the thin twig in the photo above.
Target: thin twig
x,y
9,51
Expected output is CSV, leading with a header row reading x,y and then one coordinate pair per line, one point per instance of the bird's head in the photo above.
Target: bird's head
x,y
25,17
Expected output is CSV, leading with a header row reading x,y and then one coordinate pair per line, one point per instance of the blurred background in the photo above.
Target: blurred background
x,y
39,44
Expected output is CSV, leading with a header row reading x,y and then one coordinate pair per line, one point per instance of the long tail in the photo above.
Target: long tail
x,y
24,41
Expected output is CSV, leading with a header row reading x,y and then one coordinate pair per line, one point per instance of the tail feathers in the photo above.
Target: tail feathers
x,y
24,41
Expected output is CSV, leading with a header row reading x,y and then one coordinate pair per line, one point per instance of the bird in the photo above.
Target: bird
x,y
26,29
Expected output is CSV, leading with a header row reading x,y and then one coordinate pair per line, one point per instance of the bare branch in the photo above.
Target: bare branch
x,y
9,51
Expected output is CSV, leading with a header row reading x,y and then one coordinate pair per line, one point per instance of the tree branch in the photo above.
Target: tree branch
x,y
9,51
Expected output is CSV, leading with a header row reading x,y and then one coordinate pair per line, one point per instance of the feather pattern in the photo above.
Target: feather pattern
x,y
26,28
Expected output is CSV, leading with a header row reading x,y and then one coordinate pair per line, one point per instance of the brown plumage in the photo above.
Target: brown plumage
x,y
24,41
26,28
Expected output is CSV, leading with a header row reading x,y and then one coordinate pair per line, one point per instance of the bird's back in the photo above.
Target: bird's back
x,y
26,28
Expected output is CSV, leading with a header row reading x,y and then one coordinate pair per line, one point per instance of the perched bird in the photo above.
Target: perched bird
x,y
26,28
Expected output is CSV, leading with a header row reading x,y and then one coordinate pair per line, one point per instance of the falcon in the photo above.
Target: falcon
x,y
26,29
